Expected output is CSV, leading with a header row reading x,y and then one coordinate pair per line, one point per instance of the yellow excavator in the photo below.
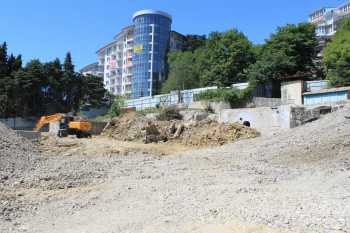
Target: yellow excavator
x,y
68,126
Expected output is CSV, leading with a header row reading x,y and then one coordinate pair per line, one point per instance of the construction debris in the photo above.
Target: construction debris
x,y
17,155
192,128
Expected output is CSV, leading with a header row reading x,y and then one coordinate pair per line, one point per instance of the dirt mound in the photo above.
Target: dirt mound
x,y
132,127
212,133
17,155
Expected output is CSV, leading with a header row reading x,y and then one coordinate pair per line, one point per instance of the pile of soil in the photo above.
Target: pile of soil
x,y
133,127
17,155
213,133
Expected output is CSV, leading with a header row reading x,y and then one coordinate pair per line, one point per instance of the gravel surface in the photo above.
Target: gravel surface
x,y
297,180
17,155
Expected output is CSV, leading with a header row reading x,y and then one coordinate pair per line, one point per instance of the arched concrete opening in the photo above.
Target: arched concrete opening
x,y
246,123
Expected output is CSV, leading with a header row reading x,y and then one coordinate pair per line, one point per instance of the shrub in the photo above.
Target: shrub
x,y
233,96
115,109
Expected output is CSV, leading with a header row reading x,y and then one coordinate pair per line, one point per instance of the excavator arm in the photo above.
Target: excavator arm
x,y
48,119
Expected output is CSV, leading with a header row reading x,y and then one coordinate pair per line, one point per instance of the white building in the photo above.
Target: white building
x,y
93,69
327,20
116,58
128,58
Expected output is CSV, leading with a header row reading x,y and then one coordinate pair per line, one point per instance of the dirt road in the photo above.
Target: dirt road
x,y
295,181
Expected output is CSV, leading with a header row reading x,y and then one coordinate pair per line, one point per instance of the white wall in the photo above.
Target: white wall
x,y
265,119
292,92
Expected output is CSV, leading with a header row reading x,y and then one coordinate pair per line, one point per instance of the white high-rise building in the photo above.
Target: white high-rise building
x,y
328,20
116,58
134,62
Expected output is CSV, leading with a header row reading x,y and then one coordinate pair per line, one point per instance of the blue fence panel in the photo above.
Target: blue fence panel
x,y
322,98
186,96
311,86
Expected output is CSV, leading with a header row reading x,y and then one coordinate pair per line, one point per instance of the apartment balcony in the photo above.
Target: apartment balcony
x,y
128,64
341,16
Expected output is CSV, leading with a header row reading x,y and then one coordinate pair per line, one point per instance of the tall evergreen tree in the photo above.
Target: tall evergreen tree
x,y
68,64
3,60
14,63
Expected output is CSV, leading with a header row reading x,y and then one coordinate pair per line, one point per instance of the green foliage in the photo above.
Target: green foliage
x,y
220,60
8,84
103,118
194,42
93,90
183,72
288,52
115,109
233,96
43,88
337,57
148,111
226,57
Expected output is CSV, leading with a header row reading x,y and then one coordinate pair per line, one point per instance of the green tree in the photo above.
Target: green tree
x,y
183,71
54,97
73,85
3,60
93,90
193,42
227,55
32,88
288,52
8,65
337,57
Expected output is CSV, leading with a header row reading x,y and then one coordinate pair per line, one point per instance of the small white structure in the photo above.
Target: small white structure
x,y
291,92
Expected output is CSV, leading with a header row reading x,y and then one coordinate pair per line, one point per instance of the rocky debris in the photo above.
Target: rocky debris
x,y
190,128
23,167
168,114
17,156
193,115
152,134
211,133
296,180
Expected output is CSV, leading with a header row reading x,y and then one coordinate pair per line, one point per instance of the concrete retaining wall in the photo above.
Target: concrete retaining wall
x,y
265,119
266,102
30,135
19,123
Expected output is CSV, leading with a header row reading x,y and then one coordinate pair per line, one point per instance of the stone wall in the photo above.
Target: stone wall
x,y
303,115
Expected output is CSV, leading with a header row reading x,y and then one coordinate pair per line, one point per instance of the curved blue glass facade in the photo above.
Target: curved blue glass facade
x,y
151,41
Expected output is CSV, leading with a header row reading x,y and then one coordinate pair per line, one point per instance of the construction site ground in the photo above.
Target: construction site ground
x,y
294,181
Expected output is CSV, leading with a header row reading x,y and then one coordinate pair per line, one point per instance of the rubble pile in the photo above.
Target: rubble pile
x,y
17,155
191,128
214,133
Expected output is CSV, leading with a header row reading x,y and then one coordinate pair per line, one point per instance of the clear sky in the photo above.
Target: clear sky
x,y
46,29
